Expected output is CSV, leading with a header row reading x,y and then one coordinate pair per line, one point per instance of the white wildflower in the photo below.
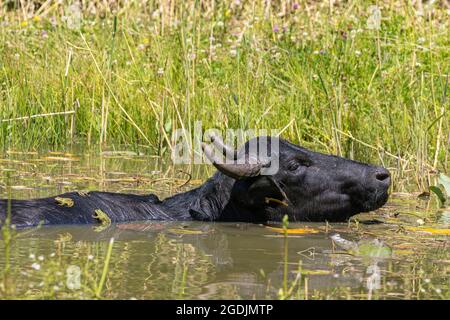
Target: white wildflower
x,y
36,266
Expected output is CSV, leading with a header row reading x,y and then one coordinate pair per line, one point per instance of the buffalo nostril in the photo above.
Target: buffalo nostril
x,y
382,176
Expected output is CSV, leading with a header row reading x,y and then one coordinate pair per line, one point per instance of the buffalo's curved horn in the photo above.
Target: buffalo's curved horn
x,y
234,170
225,149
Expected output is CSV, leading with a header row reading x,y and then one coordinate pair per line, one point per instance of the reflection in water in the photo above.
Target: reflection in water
x,y
222,260
373,251
199,260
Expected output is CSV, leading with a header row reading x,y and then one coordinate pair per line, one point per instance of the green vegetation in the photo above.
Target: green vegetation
x,y
131,74
105,75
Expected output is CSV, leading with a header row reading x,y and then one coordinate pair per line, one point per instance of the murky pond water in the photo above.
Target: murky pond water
x,y
399,252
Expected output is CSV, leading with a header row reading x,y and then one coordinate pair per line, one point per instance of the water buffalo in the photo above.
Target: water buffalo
x,y
308,186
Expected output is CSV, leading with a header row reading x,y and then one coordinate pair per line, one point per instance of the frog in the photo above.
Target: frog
x,y
64,202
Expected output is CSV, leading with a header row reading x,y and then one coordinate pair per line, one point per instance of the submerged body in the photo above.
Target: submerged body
x,y
308,186
118,207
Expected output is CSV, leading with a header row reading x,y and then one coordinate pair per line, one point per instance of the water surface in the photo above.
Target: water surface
x,y
398,252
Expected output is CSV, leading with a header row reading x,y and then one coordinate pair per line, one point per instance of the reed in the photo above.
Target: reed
x,y
136,71
99,288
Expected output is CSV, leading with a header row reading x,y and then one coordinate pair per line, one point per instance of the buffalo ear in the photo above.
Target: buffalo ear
x,y
264,190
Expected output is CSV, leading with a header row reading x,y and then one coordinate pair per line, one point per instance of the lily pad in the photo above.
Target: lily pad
x,y
374,248
367,248
294,231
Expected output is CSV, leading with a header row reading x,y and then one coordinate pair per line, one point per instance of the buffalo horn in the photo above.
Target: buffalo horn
x,y
236,171
219,144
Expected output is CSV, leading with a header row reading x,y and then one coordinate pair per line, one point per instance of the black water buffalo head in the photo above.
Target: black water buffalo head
x,y
308,186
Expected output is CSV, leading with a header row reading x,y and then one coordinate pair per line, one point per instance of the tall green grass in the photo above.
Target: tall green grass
x,y
134,73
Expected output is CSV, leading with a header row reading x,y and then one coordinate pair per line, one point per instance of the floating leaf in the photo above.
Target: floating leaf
x,y
119,153
21,188
403,246
64,202
21,152
60,158
282,236
368,248
313,272
430,230
343,243
294,231
185,231
374,248
403,252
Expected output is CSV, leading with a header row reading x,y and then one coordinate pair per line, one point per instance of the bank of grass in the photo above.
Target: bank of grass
x,y
133,74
